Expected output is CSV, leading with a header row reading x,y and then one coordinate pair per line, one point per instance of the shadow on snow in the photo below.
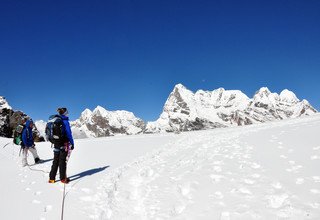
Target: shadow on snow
x,y
87,173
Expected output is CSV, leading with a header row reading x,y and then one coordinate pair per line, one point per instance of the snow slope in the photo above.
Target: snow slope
x,y
264,171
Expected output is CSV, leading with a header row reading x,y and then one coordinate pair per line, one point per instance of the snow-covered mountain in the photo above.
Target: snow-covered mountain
x,y
100,123
41,127
185,110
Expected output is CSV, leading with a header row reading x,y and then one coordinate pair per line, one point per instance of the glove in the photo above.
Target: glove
x,y
71,147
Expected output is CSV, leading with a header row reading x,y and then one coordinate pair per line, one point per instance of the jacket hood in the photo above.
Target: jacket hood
x,y
28,122
64,117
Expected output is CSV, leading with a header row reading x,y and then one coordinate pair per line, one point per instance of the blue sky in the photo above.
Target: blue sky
x,y
128,55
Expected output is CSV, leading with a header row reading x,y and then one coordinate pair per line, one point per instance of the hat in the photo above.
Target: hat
x,y
62,111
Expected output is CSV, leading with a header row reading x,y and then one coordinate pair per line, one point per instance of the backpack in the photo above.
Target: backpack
x,y
17,134
54,130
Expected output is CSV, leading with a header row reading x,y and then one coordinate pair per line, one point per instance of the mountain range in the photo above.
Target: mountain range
x,y
185,110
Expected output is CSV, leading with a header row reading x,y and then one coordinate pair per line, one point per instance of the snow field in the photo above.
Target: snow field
x,y
257,172
267,171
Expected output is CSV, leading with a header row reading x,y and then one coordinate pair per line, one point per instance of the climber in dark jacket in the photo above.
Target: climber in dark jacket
x,y
62,148
27,143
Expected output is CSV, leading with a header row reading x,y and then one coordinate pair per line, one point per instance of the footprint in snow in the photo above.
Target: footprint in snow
x,y
36,201
316,148
294,169
316,179
48,208
274,137
255,166
178,209
37,193
216,178
256,175
276,201
87,198
246,156
315,191
290,151
241,190
225,216
249,181
86,190
283,157
315,205
184,190
218,195
315,157
217,169
276,185
299,181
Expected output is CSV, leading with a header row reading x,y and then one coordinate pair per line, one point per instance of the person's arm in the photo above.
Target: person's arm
x,y
68,132
24,137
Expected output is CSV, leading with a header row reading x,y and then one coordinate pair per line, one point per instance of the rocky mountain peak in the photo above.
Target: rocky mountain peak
x,y
99,110
4,103
85,115
10,119
288,96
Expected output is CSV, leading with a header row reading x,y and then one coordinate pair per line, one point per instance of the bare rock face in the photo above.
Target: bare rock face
x,y
10,119
5,129
186,111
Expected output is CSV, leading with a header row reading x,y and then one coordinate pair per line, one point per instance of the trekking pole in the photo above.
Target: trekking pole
x,y
6,144
64,195
64,185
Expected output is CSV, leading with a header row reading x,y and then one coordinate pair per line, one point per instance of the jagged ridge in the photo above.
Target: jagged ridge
x,y
185,110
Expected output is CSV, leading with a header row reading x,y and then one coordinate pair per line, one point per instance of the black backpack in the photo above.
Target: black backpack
x,y
54,130
17,134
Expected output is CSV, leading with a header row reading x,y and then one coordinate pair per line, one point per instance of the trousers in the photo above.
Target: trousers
x,y
59,161
25,151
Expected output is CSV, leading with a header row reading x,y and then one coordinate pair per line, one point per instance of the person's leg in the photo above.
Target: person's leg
x,y
55,165
24,156
63,165
35,155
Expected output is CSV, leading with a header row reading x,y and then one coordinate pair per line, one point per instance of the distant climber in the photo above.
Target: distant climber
x,y
27,143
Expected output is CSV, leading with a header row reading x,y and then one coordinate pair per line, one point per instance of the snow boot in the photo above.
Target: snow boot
x,y
51,181
66,180
37,160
